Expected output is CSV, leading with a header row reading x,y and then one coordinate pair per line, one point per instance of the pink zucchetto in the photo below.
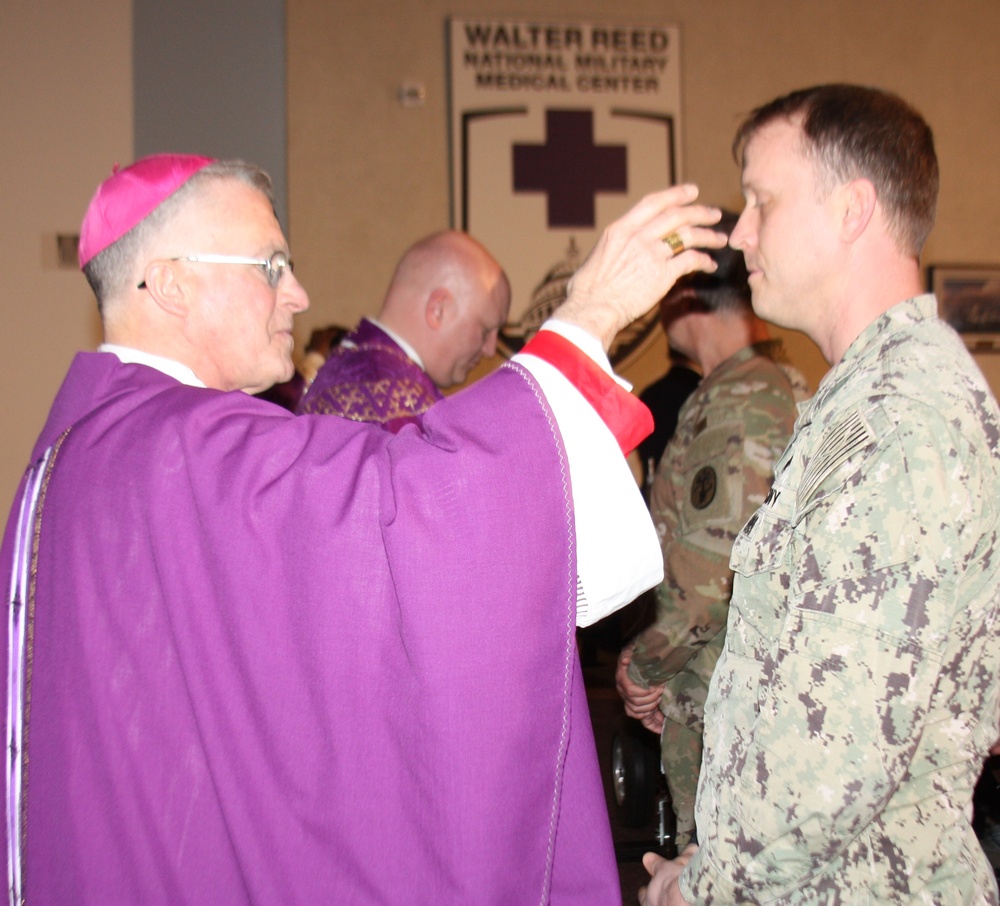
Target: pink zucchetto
x,y
128,195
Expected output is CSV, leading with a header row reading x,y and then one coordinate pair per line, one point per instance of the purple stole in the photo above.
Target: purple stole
x,y
298,659
369,378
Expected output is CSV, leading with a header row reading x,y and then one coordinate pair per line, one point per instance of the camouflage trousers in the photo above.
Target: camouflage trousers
x,y
680,755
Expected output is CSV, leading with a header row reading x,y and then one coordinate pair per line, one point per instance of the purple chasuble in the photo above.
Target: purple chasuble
x,y
370,378
279,659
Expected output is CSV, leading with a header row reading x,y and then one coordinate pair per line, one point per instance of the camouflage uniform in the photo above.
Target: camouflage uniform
x,y
857,693
713,474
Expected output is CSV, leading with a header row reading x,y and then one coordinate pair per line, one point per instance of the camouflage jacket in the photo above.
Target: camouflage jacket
x,y
713,475
857,692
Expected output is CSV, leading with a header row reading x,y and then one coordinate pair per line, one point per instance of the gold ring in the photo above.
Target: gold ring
x,y
675,242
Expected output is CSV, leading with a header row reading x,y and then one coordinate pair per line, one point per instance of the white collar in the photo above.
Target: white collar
x,y
396,338
130,356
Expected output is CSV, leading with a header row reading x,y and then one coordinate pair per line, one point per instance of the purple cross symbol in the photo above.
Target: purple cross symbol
x,y
570,168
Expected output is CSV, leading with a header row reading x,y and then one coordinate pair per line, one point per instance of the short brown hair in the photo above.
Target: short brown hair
x,y
727,288
853,131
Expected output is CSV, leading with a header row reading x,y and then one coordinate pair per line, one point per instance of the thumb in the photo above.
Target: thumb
x,y
652,861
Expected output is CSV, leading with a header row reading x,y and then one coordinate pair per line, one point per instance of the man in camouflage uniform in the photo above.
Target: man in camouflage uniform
x,y
856,697
713,475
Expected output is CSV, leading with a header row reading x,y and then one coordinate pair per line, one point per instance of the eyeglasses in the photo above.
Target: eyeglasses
x,y
274,267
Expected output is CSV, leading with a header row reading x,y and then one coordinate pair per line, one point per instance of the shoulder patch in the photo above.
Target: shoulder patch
x,y
839,445
703,487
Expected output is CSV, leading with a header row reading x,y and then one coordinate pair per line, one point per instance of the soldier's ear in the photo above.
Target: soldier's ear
x,y
439,305
859,200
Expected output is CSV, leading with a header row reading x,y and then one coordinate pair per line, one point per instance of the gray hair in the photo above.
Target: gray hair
x,y
110,271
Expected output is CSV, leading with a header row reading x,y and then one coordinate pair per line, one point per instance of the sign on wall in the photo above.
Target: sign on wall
x,y
556,130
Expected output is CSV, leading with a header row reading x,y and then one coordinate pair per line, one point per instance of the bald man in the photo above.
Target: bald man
x,y
446,303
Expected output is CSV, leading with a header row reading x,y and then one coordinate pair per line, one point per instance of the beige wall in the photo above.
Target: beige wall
x,y
66,109
367,176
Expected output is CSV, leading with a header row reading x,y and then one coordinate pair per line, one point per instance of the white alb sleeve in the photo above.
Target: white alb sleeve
x,y
618,553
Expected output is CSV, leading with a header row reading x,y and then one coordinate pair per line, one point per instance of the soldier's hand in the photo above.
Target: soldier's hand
x,y
641,702
638,258
653,721
663,889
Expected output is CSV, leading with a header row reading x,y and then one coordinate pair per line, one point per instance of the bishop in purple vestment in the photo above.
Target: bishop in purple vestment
x,y
195,718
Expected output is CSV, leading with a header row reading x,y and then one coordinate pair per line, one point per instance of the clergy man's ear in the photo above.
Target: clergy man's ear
x,y
165,288
439,305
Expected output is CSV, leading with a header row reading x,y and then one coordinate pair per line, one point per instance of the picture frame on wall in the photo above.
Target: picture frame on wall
x,y
969,300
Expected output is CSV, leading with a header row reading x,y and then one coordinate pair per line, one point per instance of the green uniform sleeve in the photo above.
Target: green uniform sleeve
x,y
714,474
